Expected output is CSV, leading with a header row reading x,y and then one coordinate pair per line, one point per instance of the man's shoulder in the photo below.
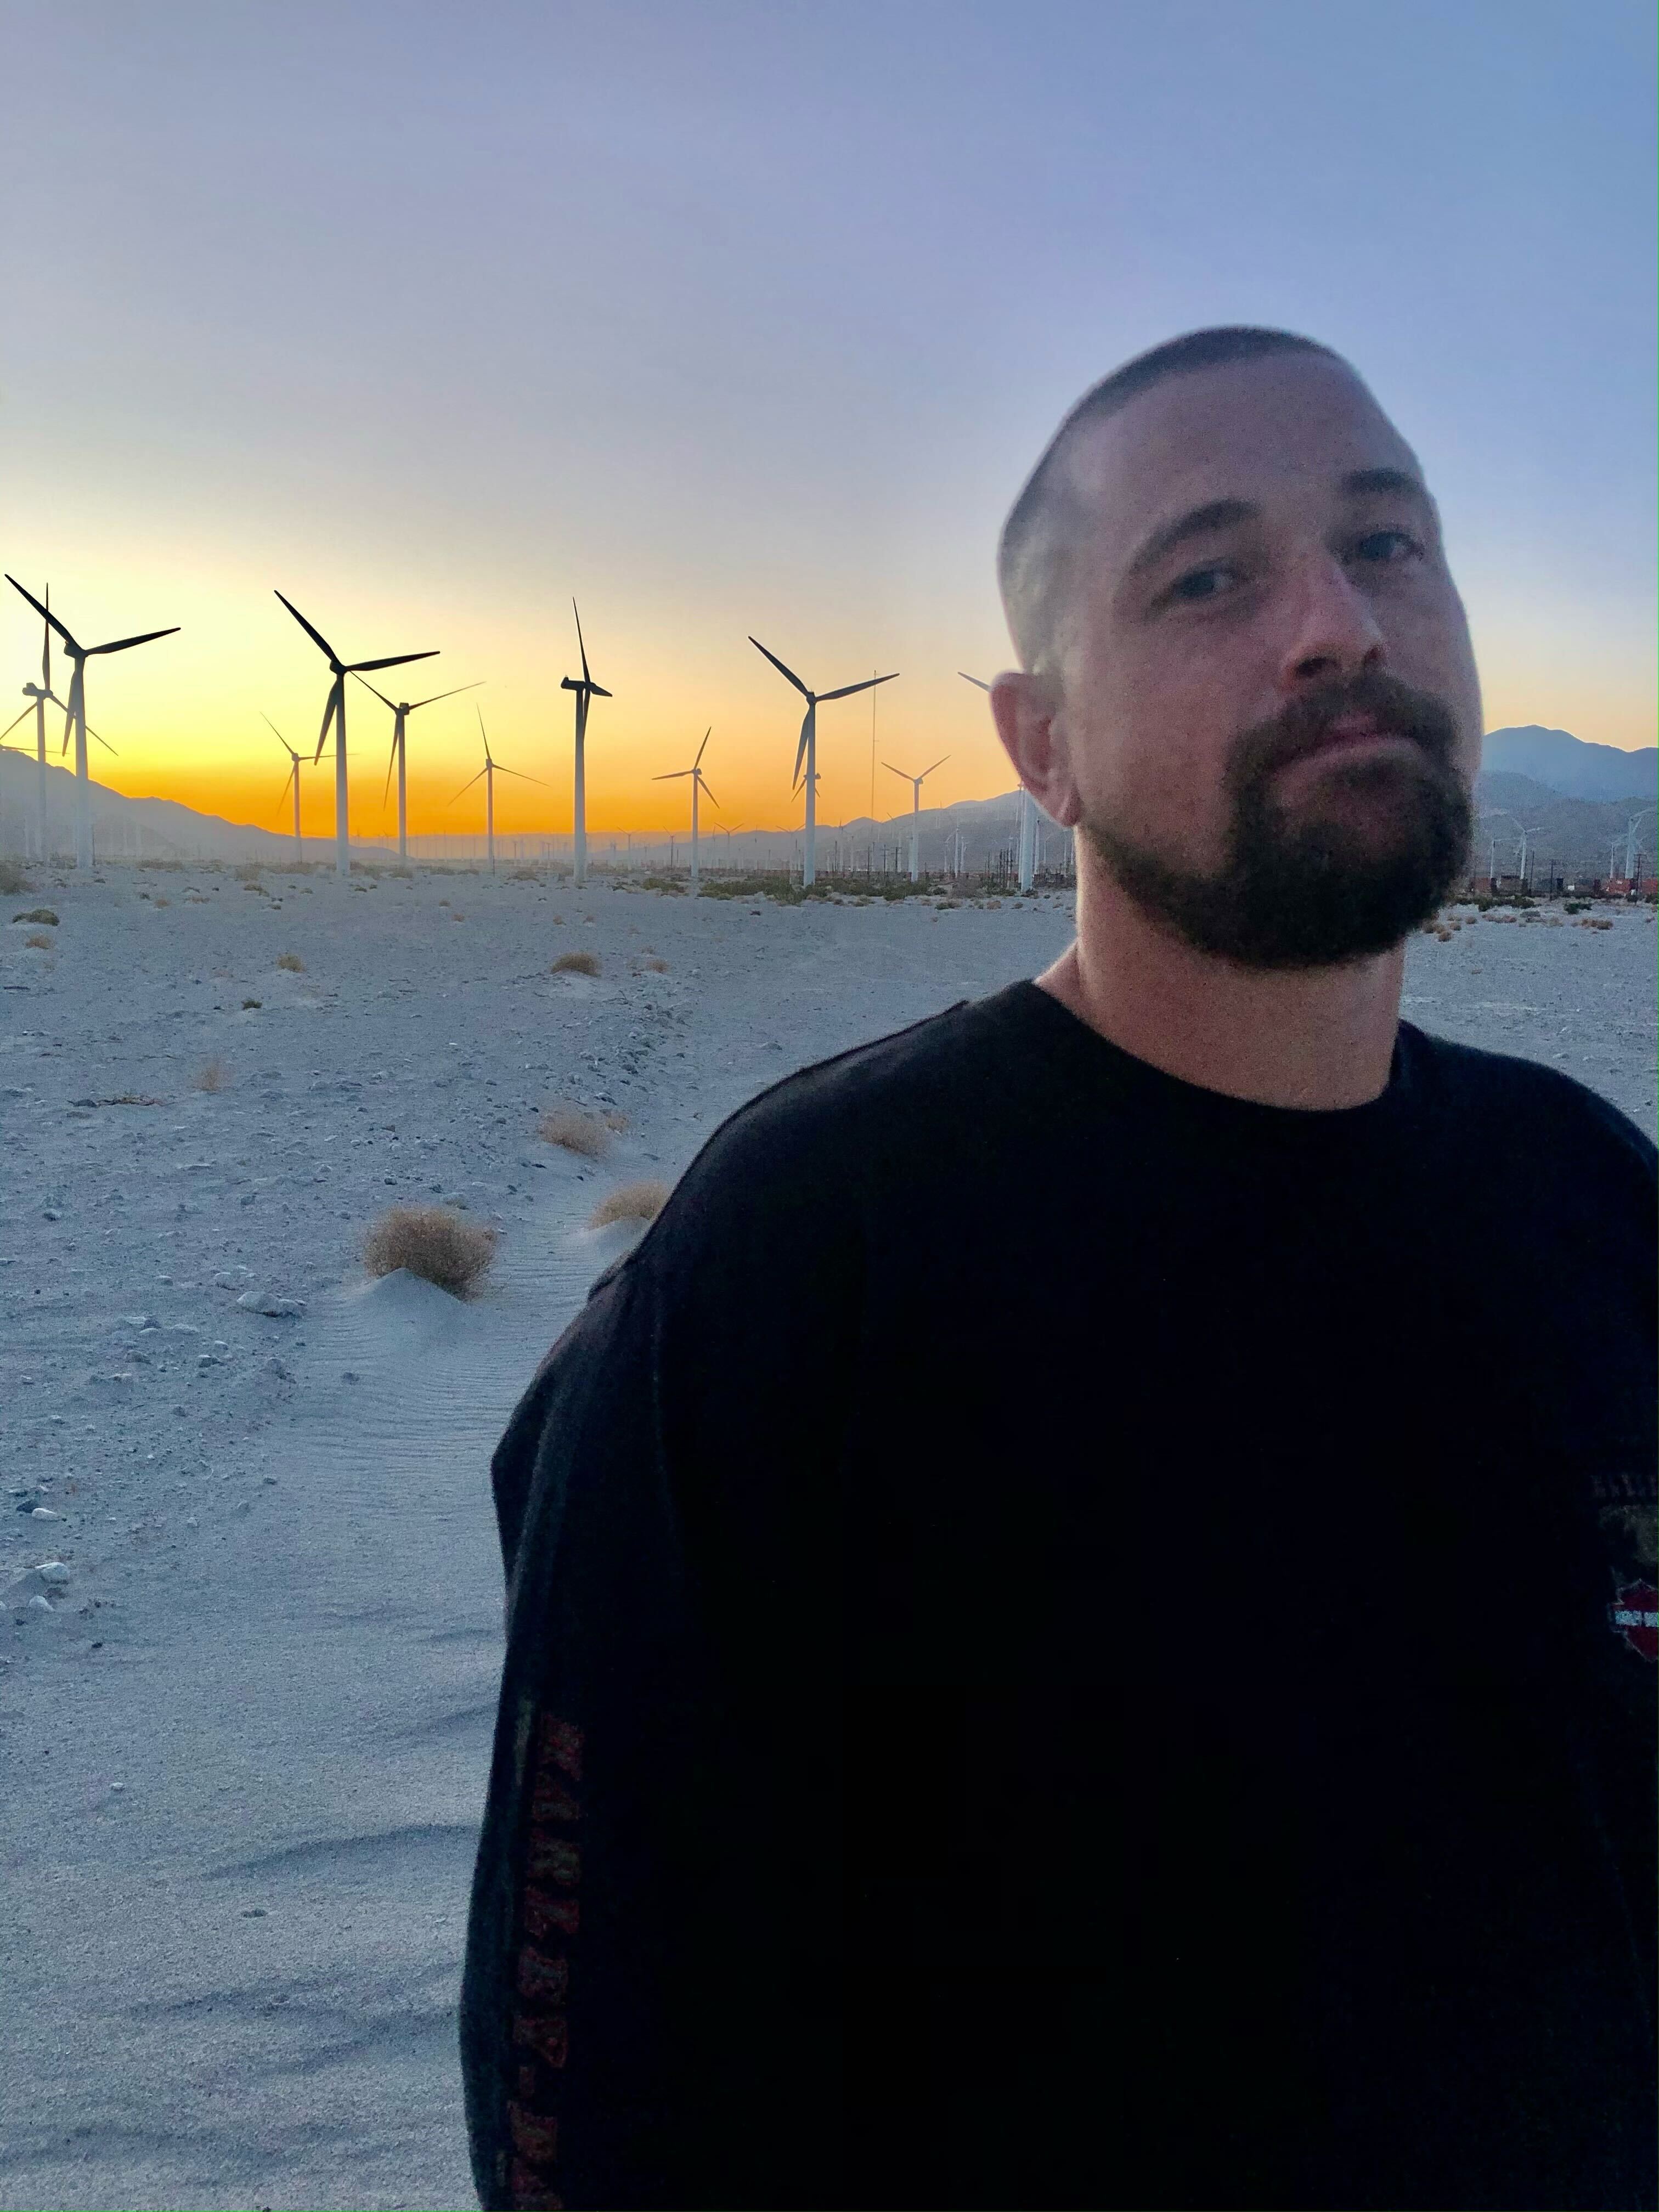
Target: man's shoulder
x,y
1506,1097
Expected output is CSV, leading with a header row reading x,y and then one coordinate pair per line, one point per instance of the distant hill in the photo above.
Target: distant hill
x,y
1568,765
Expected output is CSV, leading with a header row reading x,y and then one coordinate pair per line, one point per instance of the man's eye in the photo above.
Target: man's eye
x,y
1204,583
1385,547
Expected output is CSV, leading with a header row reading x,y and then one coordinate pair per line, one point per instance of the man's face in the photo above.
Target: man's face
x,y
1269,711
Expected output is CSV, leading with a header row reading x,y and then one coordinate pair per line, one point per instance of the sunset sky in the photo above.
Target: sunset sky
x,y
732,317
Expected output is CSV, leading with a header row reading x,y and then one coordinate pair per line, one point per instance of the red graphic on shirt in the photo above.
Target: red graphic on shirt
x,y
1634,1614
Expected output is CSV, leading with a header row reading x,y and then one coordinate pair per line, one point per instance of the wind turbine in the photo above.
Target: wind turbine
x,y
698,783
335,713
1027,810
586,690
293,778
488,772
75,714
808,749
39,693
1630,828
915,783
401,710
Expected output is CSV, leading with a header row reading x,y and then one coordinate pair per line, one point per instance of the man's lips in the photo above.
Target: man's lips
x,y
1349,732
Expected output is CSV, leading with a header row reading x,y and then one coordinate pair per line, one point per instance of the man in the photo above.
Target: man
x,y
1168,1721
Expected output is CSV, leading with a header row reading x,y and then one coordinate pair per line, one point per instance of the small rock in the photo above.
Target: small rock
x,y
43,1513
53,1573
139,1321
38,1606
50,1213
267,1302
350,1374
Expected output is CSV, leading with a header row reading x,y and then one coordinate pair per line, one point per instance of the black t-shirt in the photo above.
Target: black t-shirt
x,y
1078,1641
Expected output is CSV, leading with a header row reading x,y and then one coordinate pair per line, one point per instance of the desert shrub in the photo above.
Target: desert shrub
x,y
657,967
159,901
614,1119
214,1075
631,1201
433,1242
292,961
575,963
38,941
249,1005
12,879
1576,906
524,876
38,914
578,1132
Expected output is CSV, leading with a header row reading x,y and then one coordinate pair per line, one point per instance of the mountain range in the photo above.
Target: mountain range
x,y
1573,798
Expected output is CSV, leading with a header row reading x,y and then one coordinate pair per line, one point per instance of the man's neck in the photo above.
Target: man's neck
x,y
1314,1038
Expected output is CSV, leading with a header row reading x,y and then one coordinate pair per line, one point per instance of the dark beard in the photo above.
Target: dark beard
x,y
1318,892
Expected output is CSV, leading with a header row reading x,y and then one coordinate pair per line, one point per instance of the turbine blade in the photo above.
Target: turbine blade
x,y
122,643
45,648
800,749
966,679
394,661
519,773
709,795
896,771
576,610
368,686
47,611
391,763
672,775
334,691
283,797
939,762
706,734
847,690
597,692
467,786
281,740
315,636
12,724
436,695
782,670
105,742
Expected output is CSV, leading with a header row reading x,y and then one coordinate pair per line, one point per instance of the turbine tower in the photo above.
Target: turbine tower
x,y
1027,810
488,772
335,713
39,693
585,689
401,711
915,783
808,749
698,783
75,713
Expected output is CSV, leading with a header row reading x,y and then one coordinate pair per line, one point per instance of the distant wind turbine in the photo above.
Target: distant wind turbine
x,y
915,783
401,711
488,772
75,713
586,690
807,750
39,693
698,783
1027,810
335,713
293,779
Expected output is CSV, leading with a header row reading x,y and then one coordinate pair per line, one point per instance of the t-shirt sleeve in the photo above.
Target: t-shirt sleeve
x,y
643,2012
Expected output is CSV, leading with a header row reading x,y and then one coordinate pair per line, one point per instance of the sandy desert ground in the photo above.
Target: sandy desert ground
x,y
245,1754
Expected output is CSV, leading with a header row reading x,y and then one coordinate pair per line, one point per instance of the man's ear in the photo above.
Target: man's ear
x,y
1027,709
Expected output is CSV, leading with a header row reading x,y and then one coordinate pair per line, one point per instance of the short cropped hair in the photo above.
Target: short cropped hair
x,y
1047,520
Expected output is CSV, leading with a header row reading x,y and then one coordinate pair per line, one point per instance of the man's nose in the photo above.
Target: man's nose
x,y
1332,630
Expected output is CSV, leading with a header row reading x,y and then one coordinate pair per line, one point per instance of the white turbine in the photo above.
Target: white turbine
x,y
38,694
586,690
807,750
293,779
698,783
335,713
488,772
75,714
401,711
1028,811
915,783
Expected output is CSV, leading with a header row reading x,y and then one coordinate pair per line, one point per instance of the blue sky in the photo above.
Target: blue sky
x,y
734,317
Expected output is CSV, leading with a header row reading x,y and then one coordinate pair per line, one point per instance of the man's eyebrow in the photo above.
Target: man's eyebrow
x,y
1197,522
1365,483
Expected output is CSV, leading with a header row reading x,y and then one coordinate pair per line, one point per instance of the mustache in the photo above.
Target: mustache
x,y
1304,724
